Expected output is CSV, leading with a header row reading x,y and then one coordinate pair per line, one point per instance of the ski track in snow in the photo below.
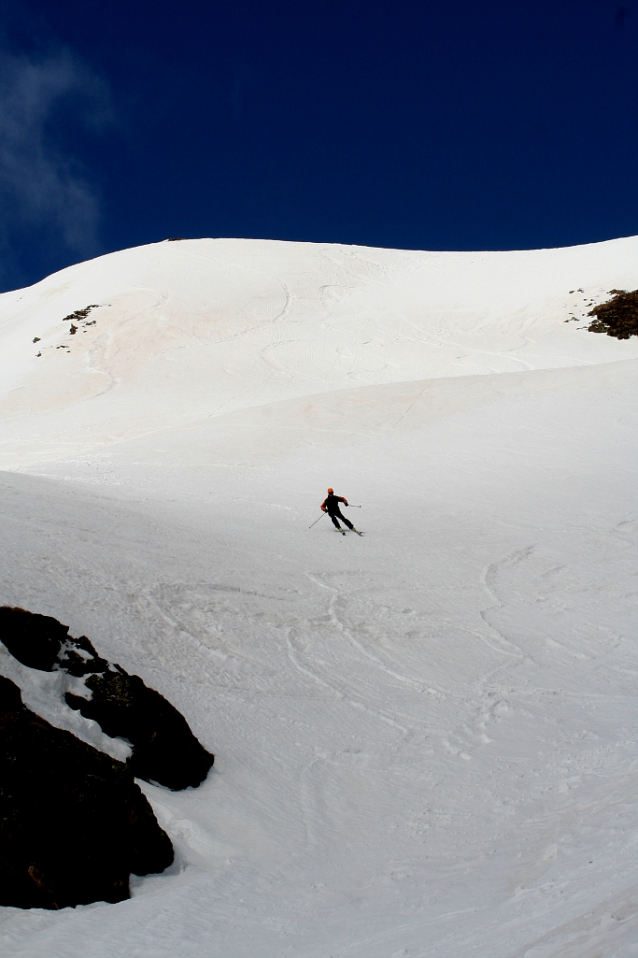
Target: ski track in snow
x,y
426,739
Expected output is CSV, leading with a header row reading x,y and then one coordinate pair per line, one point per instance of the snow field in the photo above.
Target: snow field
x,y
425,739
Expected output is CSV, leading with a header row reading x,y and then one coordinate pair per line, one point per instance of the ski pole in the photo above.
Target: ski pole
x,y
353,507
316,520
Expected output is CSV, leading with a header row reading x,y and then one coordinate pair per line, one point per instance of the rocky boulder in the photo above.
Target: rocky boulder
x,y
73,822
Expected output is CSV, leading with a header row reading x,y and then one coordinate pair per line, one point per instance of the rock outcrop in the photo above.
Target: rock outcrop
x,y
618,317
73,822
164,749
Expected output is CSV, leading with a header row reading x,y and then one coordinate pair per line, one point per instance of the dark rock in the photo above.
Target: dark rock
x,y
618,317
73,822
81,313
164,748
34,640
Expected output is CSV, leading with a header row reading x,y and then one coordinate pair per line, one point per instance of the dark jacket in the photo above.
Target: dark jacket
x,y
331,504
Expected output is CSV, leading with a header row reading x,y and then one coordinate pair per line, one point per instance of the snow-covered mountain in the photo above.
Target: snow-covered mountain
x,y
425,738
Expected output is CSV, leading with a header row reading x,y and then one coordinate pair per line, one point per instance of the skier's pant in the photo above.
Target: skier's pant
x,y
337,515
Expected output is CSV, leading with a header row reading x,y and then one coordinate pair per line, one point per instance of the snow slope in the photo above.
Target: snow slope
x,y
426,738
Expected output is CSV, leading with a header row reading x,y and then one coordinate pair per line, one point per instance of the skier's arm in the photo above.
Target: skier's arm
x,y
323,505
341,499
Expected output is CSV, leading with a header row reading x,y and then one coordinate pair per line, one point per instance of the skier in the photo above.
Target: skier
x,y
331,506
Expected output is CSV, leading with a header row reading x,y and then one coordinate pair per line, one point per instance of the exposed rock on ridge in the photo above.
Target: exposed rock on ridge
x,y
618,317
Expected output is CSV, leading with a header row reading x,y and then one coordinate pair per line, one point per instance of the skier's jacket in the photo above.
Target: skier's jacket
x,y
331,504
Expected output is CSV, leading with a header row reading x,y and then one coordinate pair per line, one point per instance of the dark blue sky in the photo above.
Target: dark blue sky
x,y
415,124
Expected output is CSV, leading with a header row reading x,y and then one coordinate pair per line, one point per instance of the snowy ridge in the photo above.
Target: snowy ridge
x,y
203,328
425,739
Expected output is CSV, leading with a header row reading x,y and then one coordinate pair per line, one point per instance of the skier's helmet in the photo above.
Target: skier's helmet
x,y
330,491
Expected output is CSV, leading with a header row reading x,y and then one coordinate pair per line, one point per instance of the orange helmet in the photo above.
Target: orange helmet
x,y
330,491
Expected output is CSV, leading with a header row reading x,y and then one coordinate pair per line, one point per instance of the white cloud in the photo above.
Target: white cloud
x,y
42,186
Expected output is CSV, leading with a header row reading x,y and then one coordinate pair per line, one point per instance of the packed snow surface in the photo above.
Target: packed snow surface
x,y
426,738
